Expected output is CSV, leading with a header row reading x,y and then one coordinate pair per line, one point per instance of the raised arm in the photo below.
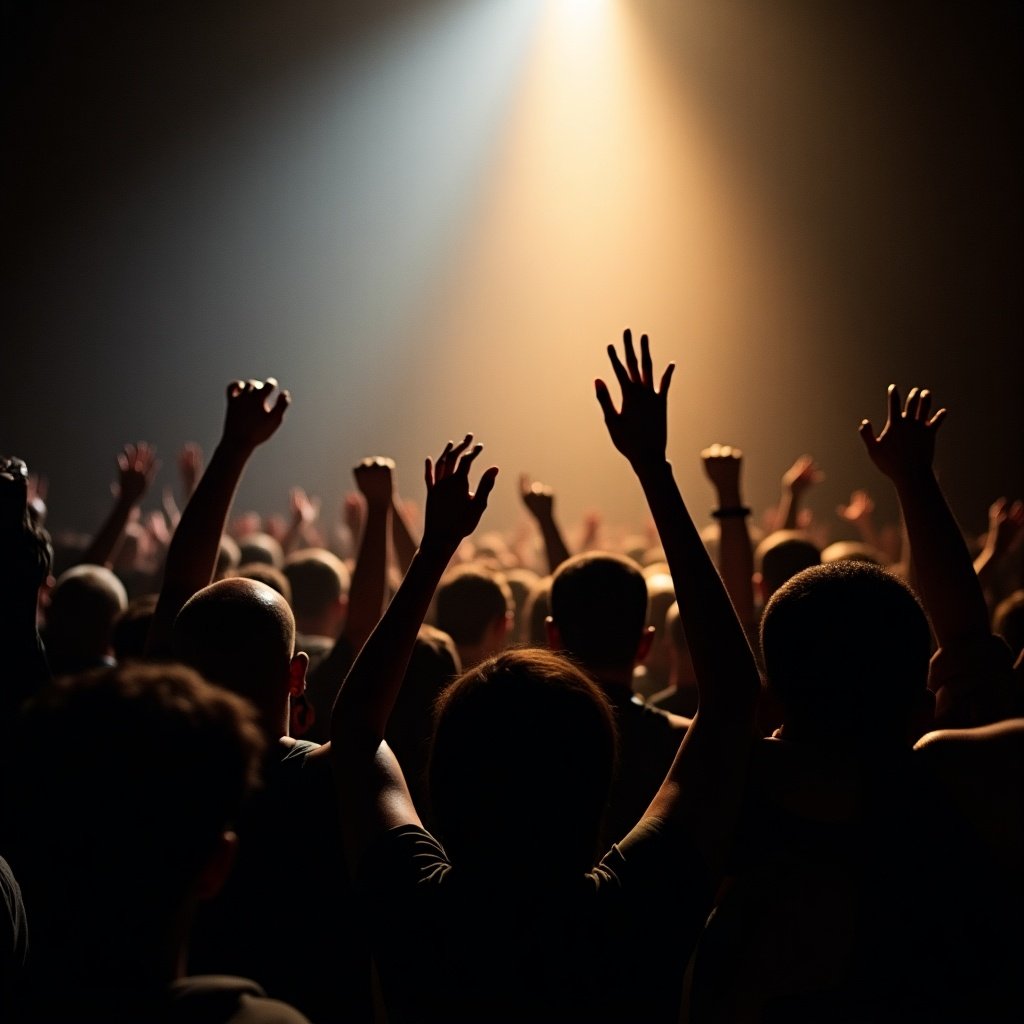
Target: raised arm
x,y
372,791
251,419
943,570
375,479
136,466
25,561
539,500
1005,533
722,466
796,481
705,782
403,545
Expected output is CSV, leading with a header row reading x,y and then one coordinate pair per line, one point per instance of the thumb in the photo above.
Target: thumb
x,y
605,400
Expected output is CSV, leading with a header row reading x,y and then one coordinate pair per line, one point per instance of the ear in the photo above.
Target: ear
x,y
554,636
297,669
643,648
218,867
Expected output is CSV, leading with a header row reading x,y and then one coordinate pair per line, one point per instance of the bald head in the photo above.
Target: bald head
x,y
241,634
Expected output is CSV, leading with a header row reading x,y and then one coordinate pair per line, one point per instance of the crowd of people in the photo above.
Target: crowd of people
x,y
266,770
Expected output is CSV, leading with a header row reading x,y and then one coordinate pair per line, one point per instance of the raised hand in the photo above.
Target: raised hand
x,y
907,442
860,508
722,465
1005,526
136,466
803,474
639,429
190,467
538,498
305,510
374,477
250,420
452,510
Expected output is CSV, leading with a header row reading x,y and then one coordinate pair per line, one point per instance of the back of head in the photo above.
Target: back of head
x,y
469,601
132,627
241,634
846,649
261,547
781,555
268,574
851,551
319,580
599,605
84,606
524,742
145,766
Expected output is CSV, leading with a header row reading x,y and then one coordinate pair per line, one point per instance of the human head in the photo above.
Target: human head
x,y
84,605
240,634
474,607
846,649
125,817
525,742
261,547
320,582
599,610
780,556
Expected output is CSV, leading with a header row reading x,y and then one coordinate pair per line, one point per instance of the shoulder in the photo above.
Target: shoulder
x,y
216,999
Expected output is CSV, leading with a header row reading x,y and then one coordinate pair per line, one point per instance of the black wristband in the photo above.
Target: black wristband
x,y
731,512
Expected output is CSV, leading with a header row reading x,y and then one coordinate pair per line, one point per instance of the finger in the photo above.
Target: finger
x,y
936,421
461,447
631,364
467,460
620,370
486,485
666,379
428,472
235,388
604,400
894,404
524,484
867,433
913,401
646,366
924,404
284,399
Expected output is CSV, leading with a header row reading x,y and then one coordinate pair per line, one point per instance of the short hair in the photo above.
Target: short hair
x,y
268,574
84,606
599,604
846,649
145,767
261,547
319,579
536,611
782,554
241,634
524,741
469,600
852,551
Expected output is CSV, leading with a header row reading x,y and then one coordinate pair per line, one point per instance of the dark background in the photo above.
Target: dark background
x,y
198,191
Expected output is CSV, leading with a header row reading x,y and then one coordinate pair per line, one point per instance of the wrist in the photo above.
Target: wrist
x,y
730,512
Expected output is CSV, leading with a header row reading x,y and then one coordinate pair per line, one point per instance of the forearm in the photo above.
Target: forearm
x,y
554,543
736,554
104,545
942,566
192,554
369,578
789,507
401,535
371,687
722,658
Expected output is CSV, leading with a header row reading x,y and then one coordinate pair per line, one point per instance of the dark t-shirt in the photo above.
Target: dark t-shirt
x,y
193,1000
286,914
452,945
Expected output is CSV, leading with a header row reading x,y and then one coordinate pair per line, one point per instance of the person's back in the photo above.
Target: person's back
x,y
598,618
860,887
271,922
122,829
